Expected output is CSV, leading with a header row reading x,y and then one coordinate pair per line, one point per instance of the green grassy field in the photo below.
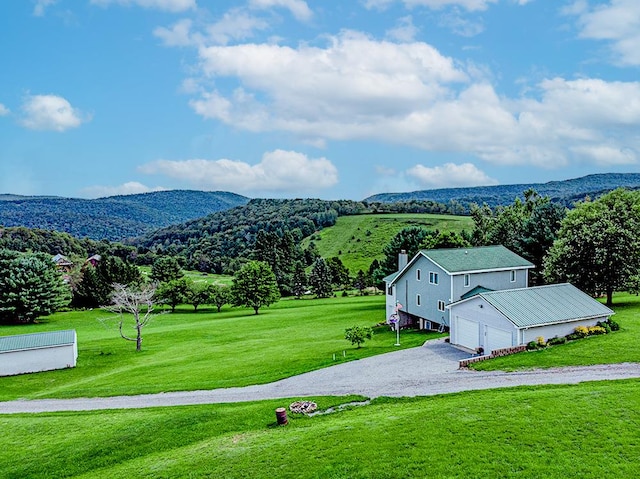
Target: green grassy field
x,y
206,350
583,431
358,239
617,347
197,277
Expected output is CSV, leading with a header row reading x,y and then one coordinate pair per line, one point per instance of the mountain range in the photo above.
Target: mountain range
x,y
116,218
566,192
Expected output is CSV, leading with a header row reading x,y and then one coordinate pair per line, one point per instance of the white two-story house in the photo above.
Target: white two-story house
x,y
423,287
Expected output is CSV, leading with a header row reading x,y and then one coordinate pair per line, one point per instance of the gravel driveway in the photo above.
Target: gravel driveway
x,y
424,371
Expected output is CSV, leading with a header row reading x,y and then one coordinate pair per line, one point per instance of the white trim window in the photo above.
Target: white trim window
x,y
418,275
441,305
417,300
433,277
512,276
467,280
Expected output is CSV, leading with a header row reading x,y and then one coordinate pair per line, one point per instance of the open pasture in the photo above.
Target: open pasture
x,y
207,350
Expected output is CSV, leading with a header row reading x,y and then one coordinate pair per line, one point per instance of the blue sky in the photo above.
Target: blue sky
x,y
294,98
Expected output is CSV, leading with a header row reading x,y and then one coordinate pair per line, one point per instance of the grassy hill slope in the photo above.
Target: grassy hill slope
x,y
358,239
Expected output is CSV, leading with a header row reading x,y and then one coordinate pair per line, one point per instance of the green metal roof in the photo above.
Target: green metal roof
x,y
484,258
36,340
539,305
391,277
477,290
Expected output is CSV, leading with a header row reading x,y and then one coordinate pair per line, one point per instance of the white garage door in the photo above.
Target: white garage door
x,y
467,333
498,338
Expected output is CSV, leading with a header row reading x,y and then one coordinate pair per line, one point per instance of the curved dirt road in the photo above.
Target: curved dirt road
x,y
424,371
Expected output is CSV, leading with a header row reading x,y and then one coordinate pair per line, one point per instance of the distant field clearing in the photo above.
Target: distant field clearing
x,y
357,240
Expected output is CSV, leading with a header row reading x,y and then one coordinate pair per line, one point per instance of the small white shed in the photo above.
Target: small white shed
x,y
502,319
31,353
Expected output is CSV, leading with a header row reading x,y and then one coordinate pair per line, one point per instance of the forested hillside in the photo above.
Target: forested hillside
x,y
565,192
113,218
215,242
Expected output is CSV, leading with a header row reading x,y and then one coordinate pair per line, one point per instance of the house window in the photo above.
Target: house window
x,y
467,280
418,274
433,278
440,305
417,300
390,290
513,275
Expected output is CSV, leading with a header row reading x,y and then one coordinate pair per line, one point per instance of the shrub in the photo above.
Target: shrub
x,y
532,345
541,342
605,325
556,340
345,294
595,330
581,331
613,325
357,334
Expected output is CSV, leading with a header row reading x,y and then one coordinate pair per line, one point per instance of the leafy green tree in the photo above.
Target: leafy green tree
x,y
598,246
30,287
320,279
358,334
219,295
165,269
95,287
254,286
410,239
446,239
197,294
173,292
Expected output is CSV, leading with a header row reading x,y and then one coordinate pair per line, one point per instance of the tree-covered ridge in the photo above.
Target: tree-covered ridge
x,y
113,218
565,192
213,243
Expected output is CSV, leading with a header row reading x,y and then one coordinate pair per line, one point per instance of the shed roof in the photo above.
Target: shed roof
x,y
483,258
36,340
539,305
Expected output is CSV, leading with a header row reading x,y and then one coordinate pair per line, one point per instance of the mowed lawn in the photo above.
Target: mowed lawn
x,y
357,240
207,350
616,347
581,431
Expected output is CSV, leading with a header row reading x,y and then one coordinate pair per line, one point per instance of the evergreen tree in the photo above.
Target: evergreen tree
x,y
166,268
95,288
30,287
320,279
299,280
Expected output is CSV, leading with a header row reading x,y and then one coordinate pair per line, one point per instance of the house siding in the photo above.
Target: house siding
x,y
559,330
494,280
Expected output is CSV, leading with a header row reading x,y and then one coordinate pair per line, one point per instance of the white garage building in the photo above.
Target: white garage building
x,y
30,353
502,319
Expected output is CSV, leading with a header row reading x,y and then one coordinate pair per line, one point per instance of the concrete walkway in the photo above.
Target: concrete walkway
x,y
423,371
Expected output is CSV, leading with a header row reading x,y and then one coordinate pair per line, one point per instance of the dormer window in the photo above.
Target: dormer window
x,y
512,276
467,280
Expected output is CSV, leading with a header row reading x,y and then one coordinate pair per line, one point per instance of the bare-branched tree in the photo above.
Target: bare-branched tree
x,y
139,302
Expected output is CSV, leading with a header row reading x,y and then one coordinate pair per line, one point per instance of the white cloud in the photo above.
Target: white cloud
x,y
404,31
279,170
4,110
40,7
408,93
129,188
617,22
298,8
450,175
460,25
50,112
471,5
166,5
236,24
